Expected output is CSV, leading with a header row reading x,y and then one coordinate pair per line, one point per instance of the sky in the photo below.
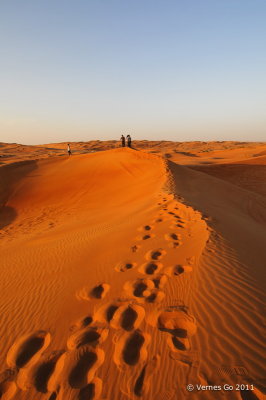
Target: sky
x,y
79,70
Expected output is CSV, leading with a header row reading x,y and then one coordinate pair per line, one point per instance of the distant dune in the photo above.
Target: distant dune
x,y
131,273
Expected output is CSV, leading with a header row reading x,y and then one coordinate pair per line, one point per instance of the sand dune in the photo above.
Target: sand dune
x,y
126,275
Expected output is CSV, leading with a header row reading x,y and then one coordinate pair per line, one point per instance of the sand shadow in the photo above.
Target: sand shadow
x,y
186,153
247,176
9,175
7,215
132,348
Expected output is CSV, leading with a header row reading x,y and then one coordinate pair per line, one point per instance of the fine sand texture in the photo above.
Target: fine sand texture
x,y
131,273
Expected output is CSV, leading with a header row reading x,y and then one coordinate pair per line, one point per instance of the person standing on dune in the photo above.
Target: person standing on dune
x,y
128,141
68,149
123,140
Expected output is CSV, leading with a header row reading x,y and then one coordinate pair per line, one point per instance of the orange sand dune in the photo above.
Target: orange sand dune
x,y
249,173
128,276
186,153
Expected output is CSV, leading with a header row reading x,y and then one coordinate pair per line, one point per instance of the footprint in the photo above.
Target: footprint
x,y
106,312
131,348
155,254
38,373
178,323
77,367
27,348
128,317
178,270
175,215
57,377
122,267
177,225
78,375
139,288
156,296
135,248
88,336
147,228
150,268
138,388
145,237
82,323
172,236
174,245
177,344
160,281
142,382
180,226
110,312
98,292
92,391
44,370
121,314
144,290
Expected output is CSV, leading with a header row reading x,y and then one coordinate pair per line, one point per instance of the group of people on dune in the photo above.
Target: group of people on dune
x,y
124,141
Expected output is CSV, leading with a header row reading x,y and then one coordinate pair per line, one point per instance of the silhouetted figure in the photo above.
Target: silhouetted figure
x,y
68,149
128,140
123,140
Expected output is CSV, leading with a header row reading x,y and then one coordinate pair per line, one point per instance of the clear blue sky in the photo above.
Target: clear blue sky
x,y
158,69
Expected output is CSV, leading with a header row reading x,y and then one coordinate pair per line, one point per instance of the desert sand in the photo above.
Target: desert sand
x,y
131,273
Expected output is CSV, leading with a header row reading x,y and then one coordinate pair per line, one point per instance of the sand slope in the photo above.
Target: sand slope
x,y
229,296
127,276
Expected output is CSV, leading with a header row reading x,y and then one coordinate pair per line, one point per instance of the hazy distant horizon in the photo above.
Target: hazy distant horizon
x,y
137,140
180,71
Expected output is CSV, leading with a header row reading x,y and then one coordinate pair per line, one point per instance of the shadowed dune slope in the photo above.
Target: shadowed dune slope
x,y
238,214
249,174
228,296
